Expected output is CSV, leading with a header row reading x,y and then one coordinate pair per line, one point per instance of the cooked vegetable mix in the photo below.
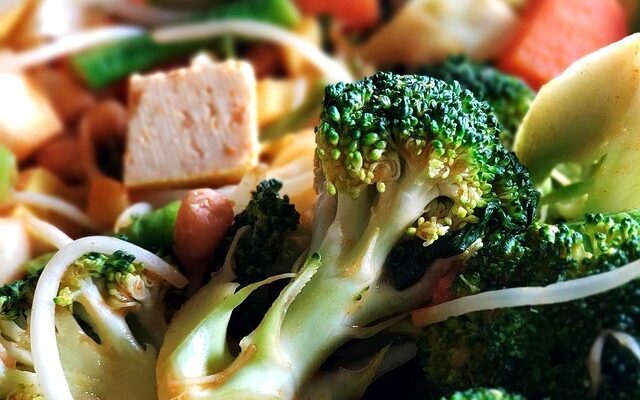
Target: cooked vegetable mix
x,y
301,199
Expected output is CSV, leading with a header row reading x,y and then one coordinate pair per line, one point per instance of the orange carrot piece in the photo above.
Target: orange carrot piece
x,y
555,33
355,14
106,200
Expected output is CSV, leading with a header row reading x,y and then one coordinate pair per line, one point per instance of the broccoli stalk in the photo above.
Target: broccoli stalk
x,y
398,157
542,351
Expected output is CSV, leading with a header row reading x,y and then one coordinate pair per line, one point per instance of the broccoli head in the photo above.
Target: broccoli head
x,y
268,243
508,96
399,158
542,351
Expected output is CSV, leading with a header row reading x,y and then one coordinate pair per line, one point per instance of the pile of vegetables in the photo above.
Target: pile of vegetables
x,y
476,233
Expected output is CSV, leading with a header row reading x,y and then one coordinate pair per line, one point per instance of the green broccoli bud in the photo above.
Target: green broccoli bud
x,y
153,231
508,96
269,242
542,351
264,222
122,279
16,297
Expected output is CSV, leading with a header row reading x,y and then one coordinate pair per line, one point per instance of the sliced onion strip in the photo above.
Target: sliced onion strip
x,y
57,205
47,232
332,69
299,184
529,296
69,44
44,347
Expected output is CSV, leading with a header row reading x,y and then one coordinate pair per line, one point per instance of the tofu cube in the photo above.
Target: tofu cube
x,y
192,126
27,118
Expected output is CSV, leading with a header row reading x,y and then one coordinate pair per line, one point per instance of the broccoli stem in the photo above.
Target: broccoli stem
x,y
290,345
110,326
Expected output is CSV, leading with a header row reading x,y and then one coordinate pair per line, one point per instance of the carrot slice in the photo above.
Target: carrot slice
x,y
555,33
355,14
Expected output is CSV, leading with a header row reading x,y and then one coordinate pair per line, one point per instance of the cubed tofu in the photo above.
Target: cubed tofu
x,y
27,118
14,249
192,126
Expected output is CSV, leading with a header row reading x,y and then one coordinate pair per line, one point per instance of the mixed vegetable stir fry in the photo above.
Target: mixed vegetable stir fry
x,y
323,200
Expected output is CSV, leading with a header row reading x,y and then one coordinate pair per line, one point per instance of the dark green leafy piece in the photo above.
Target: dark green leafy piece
x,y
16,297
483,394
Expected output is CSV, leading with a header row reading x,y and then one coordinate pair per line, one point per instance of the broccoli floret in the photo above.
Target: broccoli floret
x,y
154,231
508,96
269,242
542,351
483,394
263,222
398,158
16,297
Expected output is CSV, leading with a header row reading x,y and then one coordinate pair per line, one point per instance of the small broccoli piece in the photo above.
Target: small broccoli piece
x,y
483,394
508,96
154,231
124,286
268,245
398,158
541,351
16,297
264,222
